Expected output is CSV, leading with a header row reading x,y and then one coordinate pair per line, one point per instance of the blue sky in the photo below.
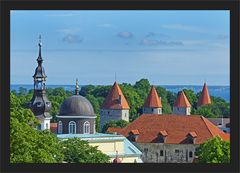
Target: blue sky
x,y
166,47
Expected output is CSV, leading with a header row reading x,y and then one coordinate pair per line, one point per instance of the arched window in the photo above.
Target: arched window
x,y
72,127
86,127
60,127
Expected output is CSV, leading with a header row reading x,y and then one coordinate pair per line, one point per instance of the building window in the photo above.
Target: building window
x,y
190,154
152,109
46,125
72,127
60,127
161,152
177,152
86,127
156,157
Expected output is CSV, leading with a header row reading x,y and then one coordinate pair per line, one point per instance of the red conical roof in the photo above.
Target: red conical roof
x,y
153,100
204,99
182,100
112,100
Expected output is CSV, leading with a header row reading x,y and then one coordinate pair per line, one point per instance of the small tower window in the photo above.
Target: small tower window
x,y
47,126
72,127
190,154
60,127
86,128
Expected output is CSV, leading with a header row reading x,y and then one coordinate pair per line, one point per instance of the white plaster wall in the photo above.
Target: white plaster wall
x,y
182,111
152,110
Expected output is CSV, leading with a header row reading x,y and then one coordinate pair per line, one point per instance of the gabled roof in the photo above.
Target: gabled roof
x,y
193,134
153,100
177,128
163,133
204,98
182,100
112,100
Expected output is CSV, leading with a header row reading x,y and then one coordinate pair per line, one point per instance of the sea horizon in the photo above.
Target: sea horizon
x,y
222,91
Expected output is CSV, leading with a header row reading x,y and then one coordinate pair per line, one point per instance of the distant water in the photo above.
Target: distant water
x,y
218,91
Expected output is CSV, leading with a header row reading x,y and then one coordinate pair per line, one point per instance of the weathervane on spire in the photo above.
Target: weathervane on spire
x,y
76,87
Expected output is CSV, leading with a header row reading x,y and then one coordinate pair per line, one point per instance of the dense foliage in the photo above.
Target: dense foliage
x,y
28,145
214,151
112,123
135,95
79,151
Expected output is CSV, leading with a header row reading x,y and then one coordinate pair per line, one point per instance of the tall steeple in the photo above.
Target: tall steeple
x,y
204,98
40,105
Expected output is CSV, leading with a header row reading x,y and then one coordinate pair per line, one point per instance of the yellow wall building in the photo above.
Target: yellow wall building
x,y
110,144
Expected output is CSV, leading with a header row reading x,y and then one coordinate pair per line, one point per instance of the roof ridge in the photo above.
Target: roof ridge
x,y
203,118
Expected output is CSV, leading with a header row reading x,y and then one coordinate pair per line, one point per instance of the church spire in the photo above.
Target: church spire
x,y
76,87
39,59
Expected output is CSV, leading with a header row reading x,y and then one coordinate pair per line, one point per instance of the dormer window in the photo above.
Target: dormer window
x,y
192,137
162,136
133,135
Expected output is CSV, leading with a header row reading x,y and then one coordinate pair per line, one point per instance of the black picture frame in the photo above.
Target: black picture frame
x,y
6,6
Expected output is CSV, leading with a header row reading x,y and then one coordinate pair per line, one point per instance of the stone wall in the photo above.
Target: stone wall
x,y
167,153
113,114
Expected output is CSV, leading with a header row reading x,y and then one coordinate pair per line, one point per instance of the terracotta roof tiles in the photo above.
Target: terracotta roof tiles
x,y
177,128
112,100
204,98
182,100
153,100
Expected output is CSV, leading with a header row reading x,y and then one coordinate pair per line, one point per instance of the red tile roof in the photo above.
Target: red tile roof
x,y
182,100
204,98
112,100
177,128
153,100
53,127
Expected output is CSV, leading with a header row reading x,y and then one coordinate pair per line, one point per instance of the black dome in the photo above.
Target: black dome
x,y
76,106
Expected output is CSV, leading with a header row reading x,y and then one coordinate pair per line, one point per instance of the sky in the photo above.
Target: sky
x,y
100,46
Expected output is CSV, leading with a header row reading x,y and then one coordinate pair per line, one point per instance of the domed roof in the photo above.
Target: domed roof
x,y
76,105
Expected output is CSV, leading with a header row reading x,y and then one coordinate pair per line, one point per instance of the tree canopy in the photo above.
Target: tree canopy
x,y
112,123
214,150
79,151
28,145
